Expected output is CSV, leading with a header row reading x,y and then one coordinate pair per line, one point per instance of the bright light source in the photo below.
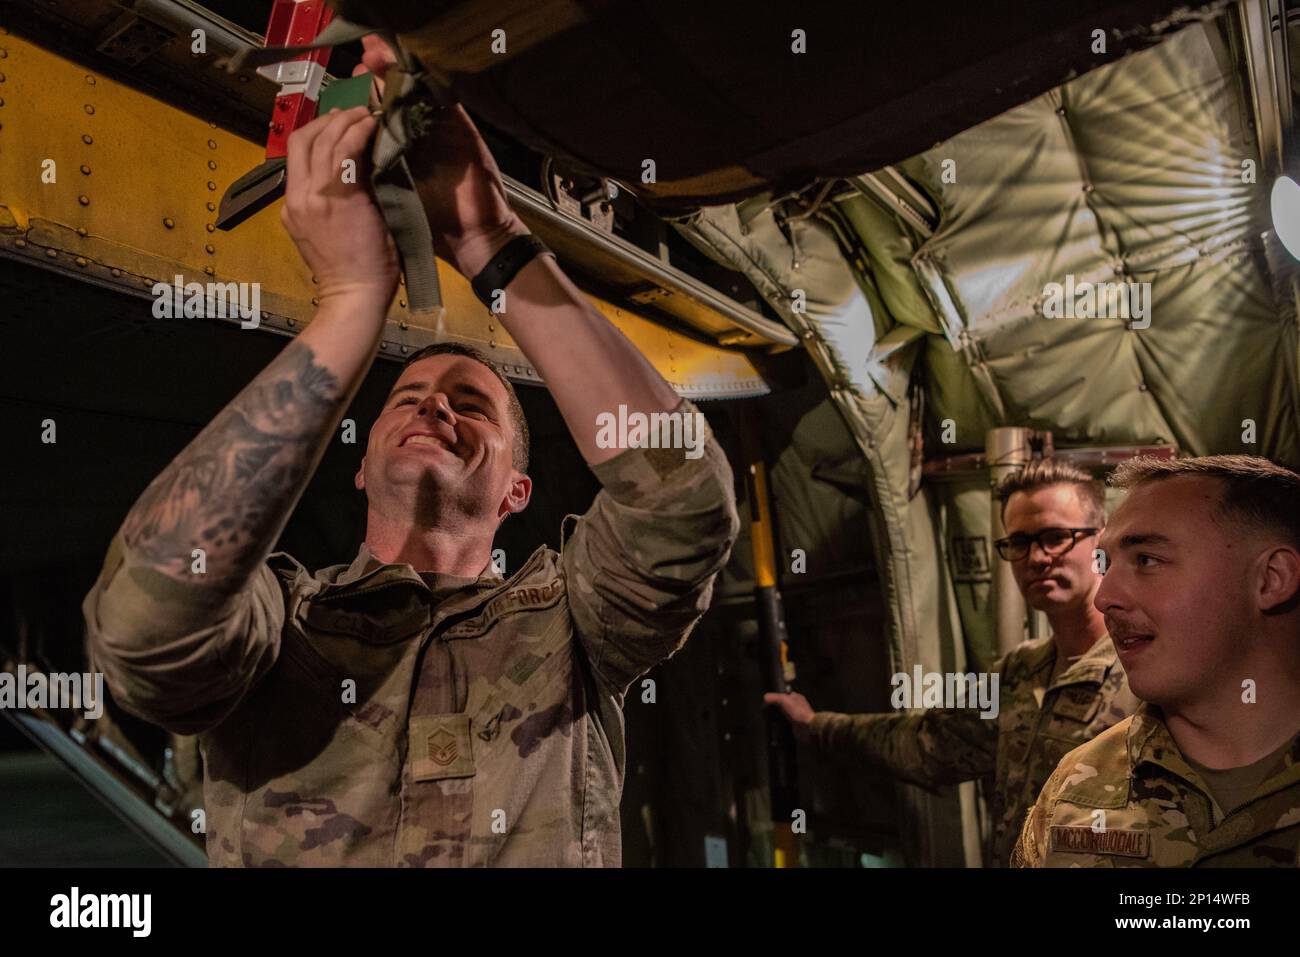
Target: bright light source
x,y
1284,204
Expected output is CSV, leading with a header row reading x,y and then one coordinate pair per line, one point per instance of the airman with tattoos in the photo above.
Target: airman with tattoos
x,y
409,707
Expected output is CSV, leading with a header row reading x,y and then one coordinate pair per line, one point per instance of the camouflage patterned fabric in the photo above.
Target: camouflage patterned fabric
x,y
486,726
1130,799
1020,748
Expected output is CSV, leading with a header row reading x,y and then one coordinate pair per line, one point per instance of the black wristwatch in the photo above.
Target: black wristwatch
x,y
505,265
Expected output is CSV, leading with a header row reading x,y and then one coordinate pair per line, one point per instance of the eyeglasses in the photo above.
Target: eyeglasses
x,y
1053,541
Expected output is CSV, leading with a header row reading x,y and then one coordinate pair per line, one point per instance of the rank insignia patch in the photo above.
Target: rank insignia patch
x,y
440,747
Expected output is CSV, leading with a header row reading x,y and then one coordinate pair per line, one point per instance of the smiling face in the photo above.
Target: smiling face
x,y
1176,593
1052,583
443,444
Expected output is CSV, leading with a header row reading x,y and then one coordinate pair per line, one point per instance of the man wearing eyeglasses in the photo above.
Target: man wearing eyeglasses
x,y
1202,596
1055,692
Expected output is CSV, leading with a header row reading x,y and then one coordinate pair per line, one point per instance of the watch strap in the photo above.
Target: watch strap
x,y
505,265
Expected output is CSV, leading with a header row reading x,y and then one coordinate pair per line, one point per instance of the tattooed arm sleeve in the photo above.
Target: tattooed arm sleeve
x,y
231,490
182,634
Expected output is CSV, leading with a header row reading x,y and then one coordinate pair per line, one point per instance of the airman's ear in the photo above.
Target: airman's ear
x,y
517,496
360,479
1278,580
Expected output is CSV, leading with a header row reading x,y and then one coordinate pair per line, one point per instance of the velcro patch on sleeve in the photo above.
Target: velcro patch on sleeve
x,y
1084,840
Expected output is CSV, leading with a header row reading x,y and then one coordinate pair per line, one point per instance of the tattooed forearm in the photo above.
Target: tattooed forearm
x,y
231,490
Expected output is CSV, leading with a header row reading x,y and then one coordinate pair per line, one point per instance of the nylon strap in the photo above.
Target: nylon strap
x,y
395,190
401,122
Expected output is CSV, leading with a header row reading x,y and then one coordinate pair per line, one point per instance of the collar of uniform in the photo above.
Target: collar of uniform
x,y
1289,775
1150,742
367,571
468,602
1293,758
1092,666
1028,658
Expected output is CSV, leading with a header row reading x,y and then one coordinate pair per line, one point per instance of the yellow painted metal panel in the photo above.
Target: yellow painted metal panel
x,y
106,182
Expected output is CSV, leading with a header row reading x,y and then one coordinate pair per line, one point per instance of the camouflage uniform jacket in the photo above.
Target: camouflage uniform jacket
x,y
1129,799
486,725
1019,748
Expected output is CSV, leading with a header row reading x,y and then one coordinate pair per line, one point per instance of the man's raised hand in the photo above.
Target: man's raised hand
x,y
458,181
330,213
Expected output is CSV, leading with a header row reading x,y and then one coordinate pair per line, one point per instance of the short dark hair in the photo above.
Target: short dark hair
x,y
1044,472
1252,488
519,455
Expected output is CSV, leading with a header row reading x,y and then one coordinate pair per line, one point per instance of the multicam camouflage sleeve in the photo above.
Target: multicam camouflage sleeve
x,y
932,749
185,617
641,562
185,682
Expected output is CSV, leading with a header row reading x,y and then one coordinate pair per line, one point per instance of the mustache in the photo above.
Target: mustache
x,y
1119,628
